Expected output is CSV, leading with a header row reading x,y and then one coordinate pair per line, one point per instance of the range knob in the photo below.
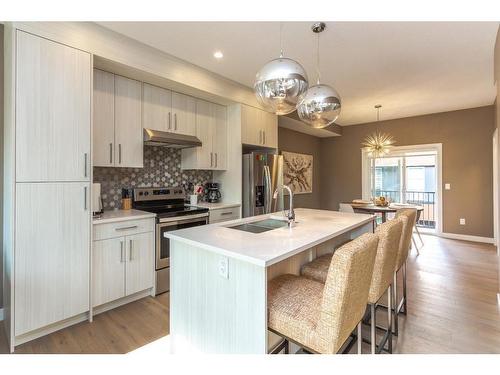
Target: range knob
x,y
146,193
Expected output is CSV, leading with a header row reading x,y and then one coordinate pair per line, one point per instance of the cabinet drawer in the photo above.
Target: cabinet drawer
x,y
224,214
123,228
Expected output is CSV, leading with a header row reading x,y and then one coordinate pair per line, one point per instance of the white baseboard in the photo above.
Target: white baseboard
x,y
1,315
466,237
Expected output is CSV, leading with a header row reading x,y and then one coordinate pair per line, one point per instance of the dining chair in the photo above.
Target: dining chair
x,y
320,317
345,207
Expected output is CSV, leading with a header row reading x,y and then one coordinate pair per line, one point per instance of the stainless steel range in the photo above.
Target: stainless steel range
x,y
171,214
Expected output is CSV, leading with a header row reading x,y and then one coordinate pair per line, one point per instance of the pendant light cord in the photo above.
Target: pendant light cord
x,y
317,61
281,40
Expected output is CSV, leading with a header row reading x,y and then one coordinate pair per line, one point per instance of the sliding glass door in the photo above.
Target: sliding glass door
x,y
407,177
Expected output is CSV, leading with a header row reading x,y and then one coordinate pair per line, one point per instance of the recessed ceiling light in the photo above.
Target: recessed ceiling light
x,y
218,55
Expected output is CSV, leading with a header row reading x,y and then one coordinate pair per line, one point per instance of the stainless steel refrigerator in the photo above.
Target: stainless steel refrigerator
x,y
262,175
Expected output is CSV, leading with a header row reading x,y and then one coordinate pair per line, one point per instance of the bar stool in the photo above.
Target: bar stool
x,y
408,217
389,234
321,317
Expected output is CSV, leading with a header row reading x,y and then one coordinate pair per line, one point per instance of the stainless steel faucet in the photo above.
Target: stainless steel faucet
x,y
291,212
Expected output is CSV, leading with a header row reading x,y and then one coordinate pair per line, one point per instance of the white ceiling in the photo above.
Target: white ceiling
x,y
411,68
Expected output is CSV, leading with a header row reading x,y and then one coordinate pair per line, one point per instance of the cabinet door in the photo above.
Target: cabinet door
x,y
140,262
104,118
52,111
205,128
270,121
251,130
157,108
128,127
108,270
220,138
184,112
52,253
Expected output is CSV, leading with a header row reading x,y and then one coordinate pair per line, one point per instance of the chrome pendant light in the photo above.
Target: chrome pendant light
x,y
320,105
378,144
279,84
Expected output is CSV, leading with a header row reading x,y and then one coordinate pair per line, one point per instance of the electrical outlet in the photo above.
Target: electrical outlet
x,y
223,267
447,186
462,221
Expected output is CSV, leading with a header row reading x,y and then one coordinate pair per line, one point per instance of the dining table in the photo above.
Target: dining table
x,y
383,210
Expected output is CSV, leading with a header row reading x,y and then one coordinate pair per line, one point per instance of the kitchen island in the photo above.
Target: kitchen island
x,y
219,273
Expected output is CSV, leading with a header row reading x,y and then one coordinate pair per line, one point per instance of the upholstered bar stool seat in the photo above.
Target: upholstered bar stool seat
x,y
294,307
321,317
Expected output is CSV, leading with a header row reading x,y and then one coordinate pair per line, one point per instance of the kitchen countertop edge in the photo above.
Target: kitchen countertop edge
x,y
116,216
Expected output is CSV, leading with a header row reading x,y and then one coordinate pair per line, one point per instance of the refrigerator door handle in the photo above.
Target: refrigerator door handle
x,y
268,192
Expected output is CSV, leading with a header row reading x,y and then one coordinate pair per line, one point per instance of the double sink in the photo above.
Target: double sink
x,y
261,225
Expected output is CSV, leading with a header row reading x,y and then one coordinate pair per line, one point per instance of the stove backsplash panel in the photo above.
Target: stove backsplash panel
x,y
162,167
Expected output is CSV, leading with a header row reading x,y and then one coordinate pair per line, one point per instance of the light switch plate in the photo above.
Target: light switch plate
x,y
462,221
447,186
223,267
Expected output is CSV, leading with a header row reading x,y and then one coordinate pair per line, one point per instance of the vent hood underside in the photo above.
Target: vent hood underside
x,y
167,139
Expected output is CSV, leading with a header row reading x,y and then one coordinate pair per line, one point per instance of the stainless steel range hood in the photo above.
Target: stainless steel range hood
x,y
167,139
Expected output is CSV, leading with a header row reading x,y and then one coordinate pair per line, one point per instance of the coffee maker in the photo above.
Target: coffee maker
x,y
212,193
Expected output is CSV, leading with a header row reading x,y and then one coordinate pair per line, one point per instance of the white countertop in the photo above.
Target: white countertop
x,y
264,249
217,206
121,215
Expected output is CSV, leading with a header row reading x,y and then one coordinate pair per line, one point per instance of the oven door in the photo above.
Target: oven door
x,y
168,225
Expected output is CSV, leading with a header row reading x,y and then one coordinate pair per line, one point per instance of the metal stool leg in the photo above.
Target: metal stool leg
x,y
389,319
404,289
373,336
395,302
360,339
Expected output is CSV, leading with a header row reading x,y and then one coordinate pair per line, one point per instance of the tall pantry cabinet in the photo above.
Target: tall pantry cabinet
x,y
47,185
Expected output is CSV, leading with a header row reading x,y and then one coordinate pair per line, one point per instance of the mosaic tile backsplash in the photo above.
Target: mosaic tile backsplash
x,y
162,167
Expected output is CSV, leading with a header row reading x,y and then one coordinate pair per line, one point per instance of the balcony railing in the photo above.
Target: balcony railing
x,y
426,199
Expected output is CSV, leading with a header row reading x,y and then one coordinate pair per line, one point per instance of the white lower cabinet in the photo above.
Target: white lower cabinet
x,y
139,265
108,271
224,214
123,265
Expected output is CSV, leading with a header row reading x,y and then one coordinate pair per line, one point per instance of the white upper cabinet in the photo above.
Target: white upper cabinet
x,y
211,130
53,111
258,128
157,108
128,125
184,114
104,119
168,111
118,139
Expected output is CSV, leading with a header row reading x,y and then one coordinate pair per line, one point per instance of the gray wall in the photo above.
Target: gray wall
x,y
289,140
467,163
1,164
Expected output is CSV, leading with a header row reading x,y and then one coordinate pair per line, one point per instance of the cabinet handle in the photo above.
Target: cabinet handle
x,y
263,137
122,258
169,120
85,198
226,213
211,159
260,136
119,153
125,228
110,153
215,160
131,248
85,164
175,121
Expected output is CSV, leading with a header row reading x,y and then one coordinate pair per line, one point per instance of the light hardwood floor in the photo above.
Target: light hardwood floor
x,y
452,308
